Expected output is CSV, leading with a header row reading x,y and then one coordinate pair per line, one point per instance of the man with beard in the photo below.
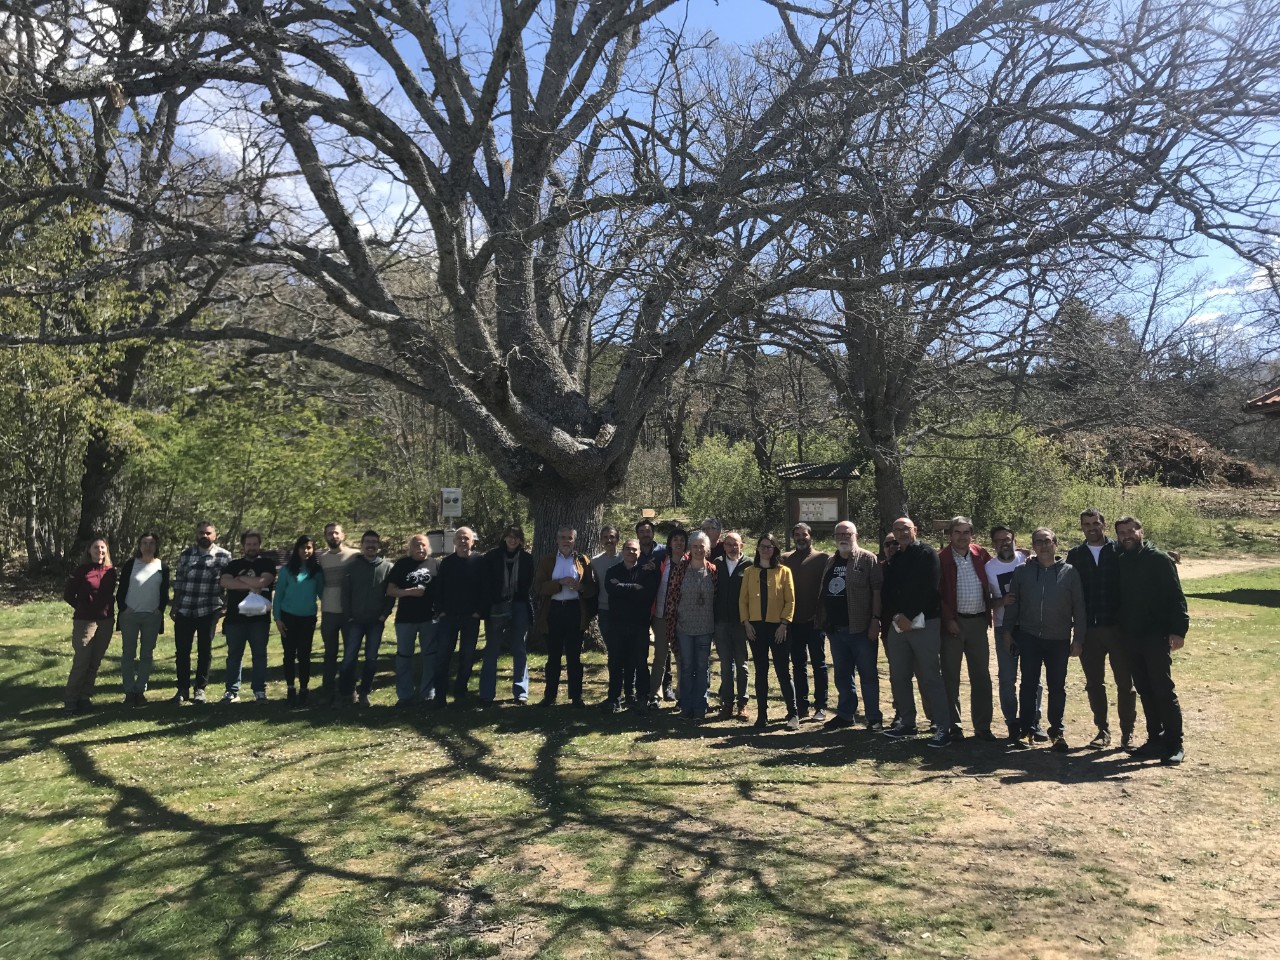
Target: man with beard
x,y
850,613
412,584
334,562
1097,560
808,643
1153,623
197,604
252,573
965,617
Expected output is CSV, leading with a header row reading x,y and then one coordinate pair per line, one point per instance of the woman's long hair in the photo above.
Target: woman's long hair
x,y
295,558
88,557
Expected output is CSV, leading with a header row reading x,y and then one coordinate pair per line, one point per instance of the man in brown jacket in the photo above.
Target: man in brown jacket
x,y
807,641
563,582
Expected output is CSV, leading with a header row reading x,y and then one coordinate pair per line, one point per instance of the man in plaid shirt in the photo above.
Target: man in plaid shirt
x,y
196,606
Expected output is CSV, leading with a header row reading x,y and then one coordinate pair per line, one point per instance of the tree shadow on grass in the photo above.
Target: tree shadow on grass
x,y
669,838
1242,595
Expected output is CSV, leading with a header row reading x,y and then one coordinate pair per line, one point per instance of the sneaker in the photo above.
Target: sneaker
x,y
617,707
180,698
1126,740
820,716
1060,744
1174,758
899,732
668,694
741,715
198,696
804,713
655,704
1101,741
259,696
836,723
229,697
1039,736
793,722
876,726
762,722
943,738
986,736
726,712
1020,743
956,734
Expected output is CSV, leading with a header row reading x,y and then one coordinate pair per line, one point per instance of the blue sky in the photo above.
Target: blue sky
x,y
733,21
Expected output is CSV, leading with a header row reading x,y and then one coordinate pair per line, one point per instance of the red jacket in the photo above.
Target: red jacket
x,y
947,581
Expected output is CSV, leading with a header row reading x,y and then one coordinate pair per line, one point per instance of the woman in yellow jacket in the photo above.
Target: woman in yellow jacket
x,y
766,605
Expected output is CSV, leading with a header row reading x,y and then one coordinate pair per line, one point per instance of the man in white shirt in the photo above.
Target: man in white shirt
x,y
999,574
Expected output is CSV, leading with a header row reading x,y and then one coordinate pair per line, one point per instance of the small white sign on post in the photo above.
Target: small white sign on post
x,y
451,502
818,509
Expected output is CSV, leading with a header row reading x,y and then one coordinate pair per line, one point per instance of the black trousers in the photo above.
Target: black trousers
x,y
298,635
564,642
762,648
1151,664
185,630
628,645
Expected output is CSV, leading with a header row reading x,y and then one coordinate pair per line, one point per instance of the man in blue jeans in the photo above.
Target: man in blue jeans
x,y
366,605
850,613
412,584
999,573
1046,619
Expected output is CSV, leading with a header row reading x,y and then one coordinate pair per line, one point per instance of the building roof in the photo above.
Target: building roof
x,y
843,470
1267,404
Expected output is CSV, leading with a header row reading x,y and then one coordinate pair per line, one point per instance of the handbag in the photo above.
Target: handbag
x,y
254,605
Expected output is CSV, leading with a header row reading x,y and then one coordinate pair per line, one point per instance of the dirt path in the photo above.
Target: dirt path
x,y
1191,567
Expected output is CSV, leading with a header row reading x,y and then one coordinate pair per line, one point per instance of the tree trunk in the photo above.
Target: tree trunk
x,y
102,463
562,503
891,488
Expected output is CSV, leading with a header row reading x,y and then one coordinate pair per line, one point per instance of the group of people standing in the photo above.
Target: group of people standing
x,y
662,610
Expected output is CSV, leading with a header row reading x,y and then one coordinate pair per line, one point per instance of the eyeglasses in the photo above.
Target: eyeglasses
x,y
1042,542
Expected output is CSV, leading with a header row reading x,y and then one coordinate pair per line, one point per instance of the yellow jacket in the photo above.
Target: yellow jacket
x,y
782,596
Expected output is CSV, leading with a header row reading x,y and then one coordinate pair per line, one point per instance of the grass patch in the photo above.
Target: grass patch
x,y
255,831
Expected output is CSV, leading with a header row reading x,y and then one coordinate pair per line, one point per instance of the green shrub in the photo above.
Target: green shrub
x,y
724,481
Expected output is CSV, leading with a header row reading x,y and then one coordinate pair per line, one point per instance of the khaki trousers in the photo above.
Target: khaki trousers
x,y
89,642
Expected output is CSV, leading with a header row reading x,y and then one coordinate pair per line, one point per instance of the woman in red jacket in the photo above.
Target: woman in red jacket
x,y
91,592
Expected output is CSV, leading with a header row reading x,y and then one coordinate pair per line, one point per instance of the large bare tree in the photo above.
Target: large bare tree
x,y
558,172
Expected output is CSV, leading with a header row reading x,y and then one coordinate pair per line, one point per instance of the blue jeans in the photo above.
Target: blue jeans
x,y
1007,673
353,632
254,633
850,653
453,629
1054,655
408,638
695,672
513,631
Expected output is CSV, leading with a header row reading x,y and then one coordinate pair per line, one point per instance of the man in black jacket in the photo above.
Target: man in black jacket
x,y
462,599
913,637
510,579
1097,561
631,587
1153,622
731,637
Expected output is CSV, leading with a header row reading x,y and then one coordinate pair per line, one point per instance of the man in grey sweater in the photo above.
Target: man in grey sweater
x,y
1046,621
366,605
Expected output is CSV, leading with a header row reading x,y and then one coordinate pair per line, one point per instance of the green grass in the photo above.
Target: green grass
x,y
261,832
